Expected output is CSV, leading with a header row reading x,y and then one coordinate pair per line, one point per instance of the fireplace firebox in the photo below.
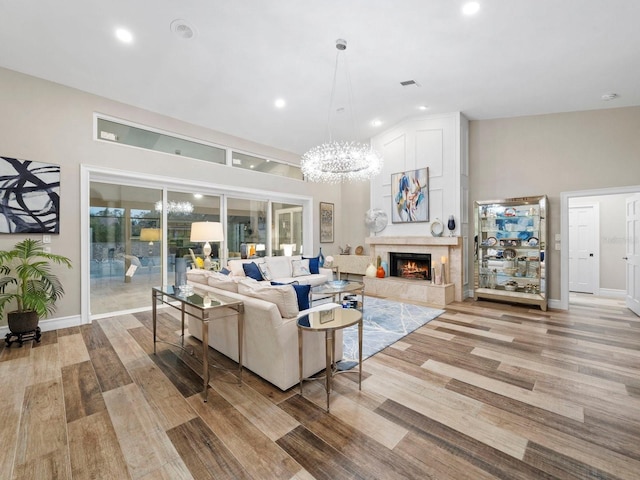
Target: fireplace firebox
x,y
410,265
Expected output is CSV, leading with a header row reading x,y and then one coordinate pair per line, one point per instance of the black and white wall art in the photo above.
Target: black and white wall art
x,y
29,196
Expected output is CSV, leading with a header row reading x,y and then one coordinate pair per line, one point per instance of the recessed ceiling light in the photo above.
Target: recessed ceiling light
x,y
376,123
124,35
470,8
280,103
423,107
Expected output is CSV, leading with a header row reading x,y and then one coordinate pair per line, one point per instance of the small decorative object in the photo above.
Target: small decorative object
x,y
385,267
437,228
28,281
379,269
328,262
371,270
346,250
321,258
410,196
443,260
359,250
451,225
376,220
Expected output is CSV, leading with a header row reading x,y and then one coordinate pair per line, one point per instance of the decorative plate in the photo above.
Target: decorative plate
x,y
509,253
509,212
532,242
437,228
359,250
491,241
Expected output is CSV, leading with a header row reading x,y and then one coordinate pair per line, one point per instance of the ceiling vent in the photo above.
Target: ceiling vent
x,y
183,29
408,83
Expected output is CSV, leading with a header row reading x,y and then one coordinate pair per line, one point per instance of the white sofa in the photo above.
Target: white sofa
x,y
270,348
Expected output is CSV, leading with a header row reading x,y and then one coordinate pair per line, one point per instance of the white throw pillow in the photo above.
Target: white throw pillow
x,y
284,296
300,268
265,271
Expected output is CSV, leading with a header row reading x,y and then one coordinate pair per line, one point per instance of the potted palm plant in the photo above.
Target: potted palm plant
x,y
28,283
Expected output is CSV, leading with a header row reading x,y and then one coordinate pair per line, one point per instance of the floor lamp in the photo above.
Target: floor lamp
x,y
206,232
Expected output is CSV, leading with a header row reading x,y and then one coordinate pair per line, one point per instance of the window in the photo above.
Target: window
x,y
257,164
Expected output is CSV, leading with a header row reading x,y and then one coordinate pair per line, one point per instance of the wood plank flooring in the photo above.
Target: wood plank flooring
x,y
486,391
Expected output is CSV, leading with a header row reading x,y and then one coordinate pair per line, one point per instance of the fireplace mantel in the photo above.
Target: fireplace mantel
x,y
438,247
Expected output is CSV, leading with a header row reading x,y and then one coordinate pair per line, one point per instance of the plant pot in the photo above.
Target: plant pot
x,y
22,322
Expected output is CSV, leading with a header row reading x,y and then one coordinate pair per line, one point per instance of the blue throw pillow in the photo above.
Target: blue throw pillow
x,y
225,271
251,270
302,292
314,264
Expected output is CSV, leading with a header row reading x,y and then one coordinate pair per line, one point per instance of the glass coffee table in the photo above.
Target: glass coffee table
x,y
328,321
336,289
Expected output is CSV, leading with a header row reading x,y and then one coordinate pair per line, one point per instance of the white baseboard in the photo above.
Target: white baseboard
x,y
612,293
51,324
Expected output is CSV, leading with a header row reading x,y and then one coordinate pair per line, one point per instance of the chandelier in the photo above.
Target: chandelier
x,y
175,207
345,161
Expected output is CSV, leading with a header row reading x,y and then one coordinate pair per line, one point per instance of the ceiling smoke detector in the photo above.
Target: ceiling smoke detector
x,y
609,96
183,29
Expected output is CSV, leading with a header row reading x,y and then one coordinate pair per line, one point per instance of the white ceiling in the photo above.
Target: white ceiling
x,y
515,57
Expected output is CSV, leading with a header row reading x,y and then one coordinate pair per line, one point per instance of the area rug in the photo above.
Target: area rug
x,y
384,322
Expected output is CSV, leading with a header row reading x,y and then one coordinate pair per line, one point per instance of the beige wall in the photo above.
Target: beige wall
x,y
47,122
550,154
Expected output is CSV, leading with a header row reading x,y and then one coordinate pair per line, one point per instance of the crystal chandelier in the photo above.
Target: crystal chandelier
x,y
175,207
345,161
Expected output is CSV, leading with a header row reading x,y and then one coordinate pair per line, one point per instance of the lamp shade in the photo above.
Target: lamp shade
x,y
206,232
149,234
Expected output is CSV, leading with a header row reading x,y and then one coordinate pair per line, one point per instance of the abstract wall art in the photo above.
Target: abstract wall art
x,y
29,196
410,196
326,222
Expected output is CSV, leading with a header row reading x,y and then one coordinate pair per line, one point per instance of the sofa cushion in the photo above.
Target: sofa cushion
x,y
251,270
223,282
225,271
314,264
284,296
302,292
199,276
300,268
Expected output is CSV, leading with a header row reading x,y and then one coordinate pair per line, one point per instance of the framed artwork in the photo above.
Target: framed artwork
x,y
326,222
29,196
410,196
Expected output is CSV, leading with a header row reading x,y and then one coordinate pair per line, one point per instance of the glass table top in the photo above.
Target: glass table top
x,y
330,319
196,298
337,286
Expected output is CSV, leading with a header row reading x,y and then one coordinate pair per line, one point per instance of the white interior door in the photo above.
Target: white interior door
x,y
632,255
582,248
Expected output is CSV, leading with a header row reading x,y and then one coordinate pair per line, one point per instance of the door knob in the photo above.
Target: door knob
x,y
625,258
591,254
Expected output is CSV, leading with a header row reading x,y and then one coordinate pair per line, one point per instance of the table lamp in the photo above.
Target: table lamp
x,y
206,232
150,235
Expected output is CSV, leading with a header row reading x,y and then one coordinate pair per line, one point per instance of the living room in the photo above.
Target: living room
x,y
590,149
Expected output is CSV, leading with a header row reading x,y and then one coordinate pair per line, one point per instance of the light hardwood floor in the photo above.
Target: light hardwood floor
x,y
484,391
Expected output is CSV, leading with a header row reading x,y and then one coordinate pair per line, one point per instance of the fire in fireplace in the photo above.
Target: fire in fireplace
x,y
410,265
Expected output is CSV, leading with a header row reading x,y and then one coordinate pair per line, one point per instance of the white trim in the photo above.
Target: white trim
x,y
50,324
564,232
612,293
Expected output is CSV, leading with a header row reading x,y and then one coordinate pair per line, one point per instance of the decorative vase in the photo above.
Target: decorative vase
x,y
370,271
451,225
385,266
320,258
380,272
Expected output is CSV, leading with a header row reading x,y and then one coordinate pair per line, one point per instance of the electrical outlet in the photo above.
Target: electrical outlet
x,y
558,246
46,238
47,249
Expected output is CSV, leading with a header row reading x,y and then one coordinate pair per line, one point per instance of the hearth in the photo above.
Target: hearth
x,y
415,266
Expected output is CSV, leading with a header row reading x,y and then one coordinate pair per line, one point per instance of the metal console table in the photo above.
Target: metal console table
x,y
204,308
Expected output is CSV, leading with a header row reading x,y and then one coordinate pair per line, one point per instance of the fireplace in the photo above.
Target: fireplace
x,y
410,265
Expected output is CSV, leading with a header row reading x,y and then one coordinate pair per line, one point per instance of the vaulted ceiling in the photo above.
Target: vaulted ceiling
x,y
512,58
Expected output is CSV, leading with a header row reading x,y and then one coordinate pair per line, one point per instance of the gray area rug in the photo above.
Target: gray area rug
x,y
384,322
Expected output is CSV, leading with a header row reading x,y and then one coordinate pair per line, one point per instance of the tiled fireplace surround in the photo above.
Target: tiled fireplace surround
x,y
420,290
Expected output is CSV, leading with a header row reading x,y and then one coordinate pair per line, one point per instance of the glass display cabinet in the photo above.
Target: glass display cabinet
x,y
510,247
